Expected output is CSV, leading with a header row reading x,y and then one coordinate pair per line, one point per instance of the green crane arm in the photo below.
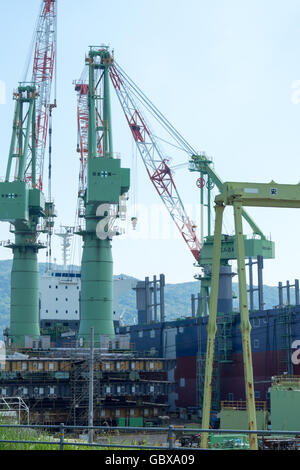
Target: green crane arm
x,y
201,163
126,89
23,129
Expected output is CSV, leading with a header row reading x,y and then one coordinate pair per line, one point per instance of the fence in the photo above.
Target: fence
x,y
242,405
171,432
15,406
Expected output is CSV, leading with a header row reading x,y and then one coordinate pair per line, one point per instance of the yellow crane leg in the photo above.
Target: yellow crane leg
x,y
212,324
245,324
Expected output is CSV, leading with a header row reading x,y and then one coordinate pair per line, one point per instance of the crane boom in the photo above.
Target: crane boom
x,y
155,162
83,129
128,93
42,77
31,159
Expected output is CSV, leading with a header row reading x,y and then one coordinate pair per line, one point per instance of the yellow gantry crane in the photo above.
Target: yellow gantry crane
x,y
239,195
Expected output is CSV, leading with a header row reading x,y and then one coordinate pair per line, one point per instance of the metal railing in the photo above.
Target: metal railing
x,y
283,379
242,405
13,405
172,431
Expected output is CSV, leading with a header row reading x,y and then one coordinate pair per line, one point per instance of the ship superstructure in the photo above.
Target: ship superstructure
x,y
60,292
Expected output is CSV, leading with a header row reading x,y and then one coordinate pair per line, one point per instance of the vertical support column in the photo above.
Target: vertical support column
x,y
13,138
296,292
280,294
92,137
202,208
288,293
199,305
251,285
193,304
61,436
245,324
212,324
225,290
33,144
155,298
206,296
91,387
96,286
24,299
162,298
148,301
209,206
24,145
107,134
260,266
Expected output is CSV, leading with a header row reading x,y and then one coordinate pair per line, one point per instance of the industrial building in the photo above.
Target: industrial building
x,y
129,388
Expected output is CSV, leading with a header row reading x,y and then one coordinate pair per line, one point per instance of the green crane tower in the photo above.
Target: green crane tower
x,y
22,202
102,193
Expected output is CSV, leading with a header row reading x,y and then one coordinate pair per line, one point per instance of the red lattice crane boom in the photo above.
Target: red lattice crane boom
x,y
44,58
155,161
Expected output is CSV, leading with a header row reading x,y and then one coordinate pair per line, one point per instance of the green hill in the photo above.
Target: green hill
x,y
177,298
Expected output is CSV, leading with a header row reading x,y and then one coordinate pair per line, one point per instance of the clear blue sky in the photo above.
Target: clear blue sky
x,y
222,71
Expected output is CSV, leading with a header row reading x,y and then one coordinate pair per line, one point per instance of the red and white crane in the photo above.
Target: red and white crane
x,y
155,161
43,59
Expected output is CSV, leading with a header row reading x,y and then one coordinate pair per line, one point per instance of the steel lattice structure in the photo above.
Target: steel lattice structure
x,y
42,77
154,159
83,130
155,162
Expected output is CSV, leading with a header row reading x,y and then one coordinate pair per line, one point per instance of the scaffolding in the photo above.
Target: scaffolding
x,y
223,354
215,401
79,385
13,407
121,379
224,339
285,321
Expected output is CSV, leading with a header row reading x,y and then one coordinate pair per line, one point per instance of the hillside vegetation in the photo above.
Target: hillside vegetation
x,y
177,298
